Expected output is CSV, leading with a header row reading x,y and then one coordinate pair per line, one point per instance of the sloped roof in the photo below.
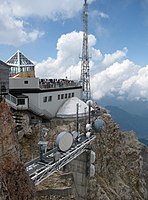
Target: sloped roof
x,y
18,59
69,108
3,65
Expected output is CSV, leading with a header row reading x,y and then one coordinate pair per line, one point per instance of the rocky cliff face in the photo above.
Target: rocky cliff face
x,y
119,165
144,154
121,162
14,181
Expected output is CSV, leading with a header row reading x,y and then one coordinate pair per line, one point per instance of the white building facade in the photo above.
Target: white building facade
x,y
29,94
43,97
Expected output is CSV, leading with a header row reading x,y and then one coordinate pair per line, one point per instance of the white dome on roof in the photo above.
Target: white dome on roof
x,y
69,108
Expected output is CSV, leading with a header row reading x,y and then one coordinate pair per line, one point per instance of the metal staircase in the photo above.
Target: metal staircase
x,y
18,118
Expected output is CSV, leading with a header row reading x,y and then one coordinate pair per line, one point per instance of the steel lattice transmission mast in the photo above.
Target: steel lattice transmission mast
x,y
85,76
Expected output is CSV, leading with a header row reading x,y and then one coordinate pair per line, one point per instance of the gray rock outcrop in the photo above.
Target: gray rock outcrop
x,y
119,165
15,183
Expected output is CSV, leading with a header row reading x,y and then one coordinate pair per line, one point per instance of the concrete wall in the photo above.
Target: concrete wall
x,y
23,83
37,99
79,168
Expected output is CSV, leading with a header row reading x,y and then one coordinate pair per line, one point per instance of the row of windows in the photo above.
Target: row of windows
x,y
15,70
45,99
65,96
60,96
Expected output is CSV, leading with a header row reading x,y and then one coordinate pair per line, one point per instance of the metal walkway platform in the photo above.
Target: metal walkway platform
x,y
39,170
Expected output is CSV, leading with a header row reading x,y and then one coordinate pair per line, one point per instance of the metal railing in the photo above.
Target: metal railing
x,y
60,83
13,102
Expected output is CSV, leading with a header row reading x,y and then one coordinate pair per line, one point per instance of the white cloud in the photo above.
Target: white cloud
x,y
97,17
111,58
119,76
52,9
13,30
14,17
110,80
90,1
136,86
103,15
97,14
67,62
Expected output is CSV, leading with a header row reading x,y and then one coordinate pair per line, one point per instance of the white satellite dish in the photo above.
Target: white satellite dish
x,y
89,102
74,134
88,127
88,134
64,141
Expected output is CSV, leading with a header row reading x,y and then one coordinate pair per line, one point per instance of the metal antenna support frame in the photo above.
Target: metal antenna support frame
x,y
85,120
39,171
77,118
85,76
42,143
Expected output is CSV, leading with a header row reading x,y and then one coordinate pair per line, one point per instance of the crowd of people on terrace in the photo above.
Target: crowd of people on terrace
x,y
54,83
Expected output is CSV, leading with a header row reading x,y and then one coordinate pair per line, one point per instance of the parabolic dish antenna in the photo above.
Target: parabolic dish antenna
x,y
74,134
98,125
64,141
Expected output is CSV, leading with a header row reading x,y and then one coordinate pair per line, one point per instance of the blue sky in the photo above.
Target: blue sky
x,y
50,34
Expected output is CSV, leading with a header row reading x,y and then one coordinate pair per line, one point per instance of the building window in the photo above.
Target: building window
x,y
66,96
50,98
44,99
21,101
25,82
3,88
13,99
58,97
69,95
62,96
73,94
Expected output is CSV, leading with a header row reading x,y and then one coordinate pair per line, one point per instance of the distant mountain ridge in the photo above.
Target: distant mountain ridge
x,y
128,121
137,107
